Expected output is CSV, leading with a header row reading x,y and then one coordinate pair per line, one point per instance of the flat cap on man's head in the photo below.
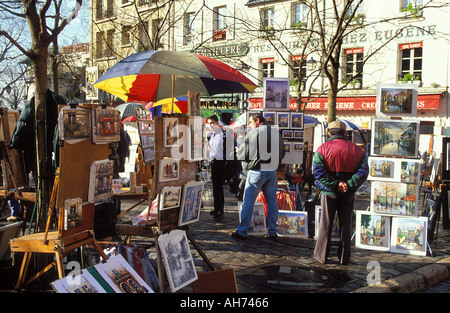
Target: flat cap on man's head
x,y
337,125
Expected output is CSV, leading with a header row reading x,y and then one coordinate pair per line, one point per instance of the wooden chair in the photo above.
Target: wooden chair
x,y
59,242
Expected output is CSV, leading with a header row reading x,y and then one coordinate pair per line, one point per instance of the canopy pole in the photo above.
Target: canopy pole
x,y
173,90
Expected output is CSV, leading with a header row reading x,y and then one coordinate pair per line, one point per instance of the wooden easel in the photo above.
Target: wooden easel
x,y
60,242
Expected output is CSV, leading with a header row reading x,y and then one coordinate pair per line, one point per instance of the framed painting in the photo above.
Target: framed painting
x,y
196,143
74,124
382,169
148,155
283,120
147,141
298,134
100,180
293,224
170,131
297,146
270,117
143,114
105,126
72,213
258,225
394,198
372,231
445,158
398,138
287,134
178,261
276,93
170,198
193,103
191,203
296,120
394,170
396,100
146,127
409,235
169,169
287,147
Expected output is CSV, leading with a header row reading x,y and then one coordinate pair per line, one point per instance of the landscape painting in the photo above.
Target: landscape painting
x,y
396,99
409,235
372,231
394,198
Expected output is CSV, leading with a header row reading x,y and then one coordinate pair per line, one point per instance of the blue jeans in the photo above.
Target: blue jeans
x,y
267,182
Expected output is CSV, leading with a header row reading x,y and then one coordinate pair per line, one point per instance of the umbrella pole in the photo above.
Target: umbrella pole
x,y
173,89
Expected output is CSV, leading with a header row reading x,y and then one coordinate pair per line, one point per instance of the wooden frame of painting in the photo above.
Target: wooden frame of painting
x,y
191,203
169,169
394,170
270,117
170,197
258,225
372,231
293,224
394,198
296,120
399,138
276,93
396,100
445,158
283,120
287,134
170,131
409,235
177,257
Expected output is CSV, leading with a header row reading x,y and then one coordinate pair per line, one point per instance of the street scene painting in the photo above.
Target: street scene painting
x,y
394,198
276,93
409,235
293,223
382,169
395,138
168,169
396,99
192,202
258,224
178,261
372,231
394,170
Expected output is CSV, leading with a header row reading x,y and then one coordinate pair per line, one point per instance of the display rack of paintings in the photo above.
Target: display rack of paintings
x,y
393,222
105,125
74,124
146,130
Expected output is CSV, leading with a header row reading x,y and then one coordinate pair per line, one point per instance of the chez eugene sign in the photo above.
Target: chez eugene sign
x,y
241,49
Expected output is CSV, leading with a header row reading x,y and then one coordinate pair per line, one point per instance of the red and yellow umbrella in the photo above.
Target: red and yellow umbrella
x,y
179,105
150,76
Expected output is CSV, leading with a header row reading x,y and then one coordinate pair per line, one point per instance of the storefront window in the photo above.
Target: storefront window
x,y
354,63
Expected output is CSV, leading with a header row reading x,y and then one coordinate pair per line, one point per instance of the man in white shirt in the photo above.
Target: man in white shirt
x,y
217,162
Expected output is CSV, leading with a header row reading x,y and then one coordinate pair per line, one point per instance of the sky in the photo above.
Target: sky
x,y
77,31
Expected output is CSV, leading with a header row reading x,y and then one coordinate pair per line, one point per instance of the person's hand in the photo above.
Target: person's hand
x,y
342,187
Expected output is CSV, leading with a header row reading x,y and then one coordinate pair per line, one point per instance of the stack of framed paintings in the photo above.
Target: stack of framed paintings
x,y
146,131
393,222
276,113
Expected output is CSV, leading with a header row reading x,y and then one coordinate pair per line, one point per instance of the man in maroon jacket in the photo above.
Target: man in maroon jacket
x,y
339,168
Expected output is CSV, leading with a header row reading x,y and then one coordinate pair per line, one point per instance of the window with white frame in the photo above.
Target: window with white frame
x,y
220,24
298,64
126,35
412,7
267,67
355,6
188,28
353,63
411,61
299,14
267,19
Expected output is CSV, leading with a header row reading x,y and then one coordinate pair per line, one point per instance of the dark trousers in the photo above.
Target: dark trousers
x,y
343,206
217,177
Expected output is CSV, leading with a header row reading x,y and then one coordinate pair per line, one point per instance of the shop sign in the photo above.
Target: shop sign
x,y
224,51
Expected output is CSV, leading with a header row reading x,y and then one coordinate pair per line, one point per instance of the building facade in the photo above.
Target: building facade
x,y
383,42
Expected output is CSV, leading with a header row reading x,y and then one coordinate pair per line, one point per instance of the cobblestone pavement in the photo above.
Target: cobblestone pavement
x,y
262,265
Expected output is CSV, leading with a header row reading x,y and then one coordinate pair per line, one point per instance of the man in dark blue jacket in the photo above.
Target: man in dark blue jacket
x,y
340,167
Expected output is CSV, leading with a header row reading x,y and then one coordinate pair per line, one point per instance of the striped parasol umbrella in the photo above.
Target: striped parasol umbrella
x,y
150,76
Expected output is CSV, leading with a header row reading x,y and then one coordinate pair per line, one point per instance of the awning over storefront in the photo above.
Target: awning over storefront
x,y
424,102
